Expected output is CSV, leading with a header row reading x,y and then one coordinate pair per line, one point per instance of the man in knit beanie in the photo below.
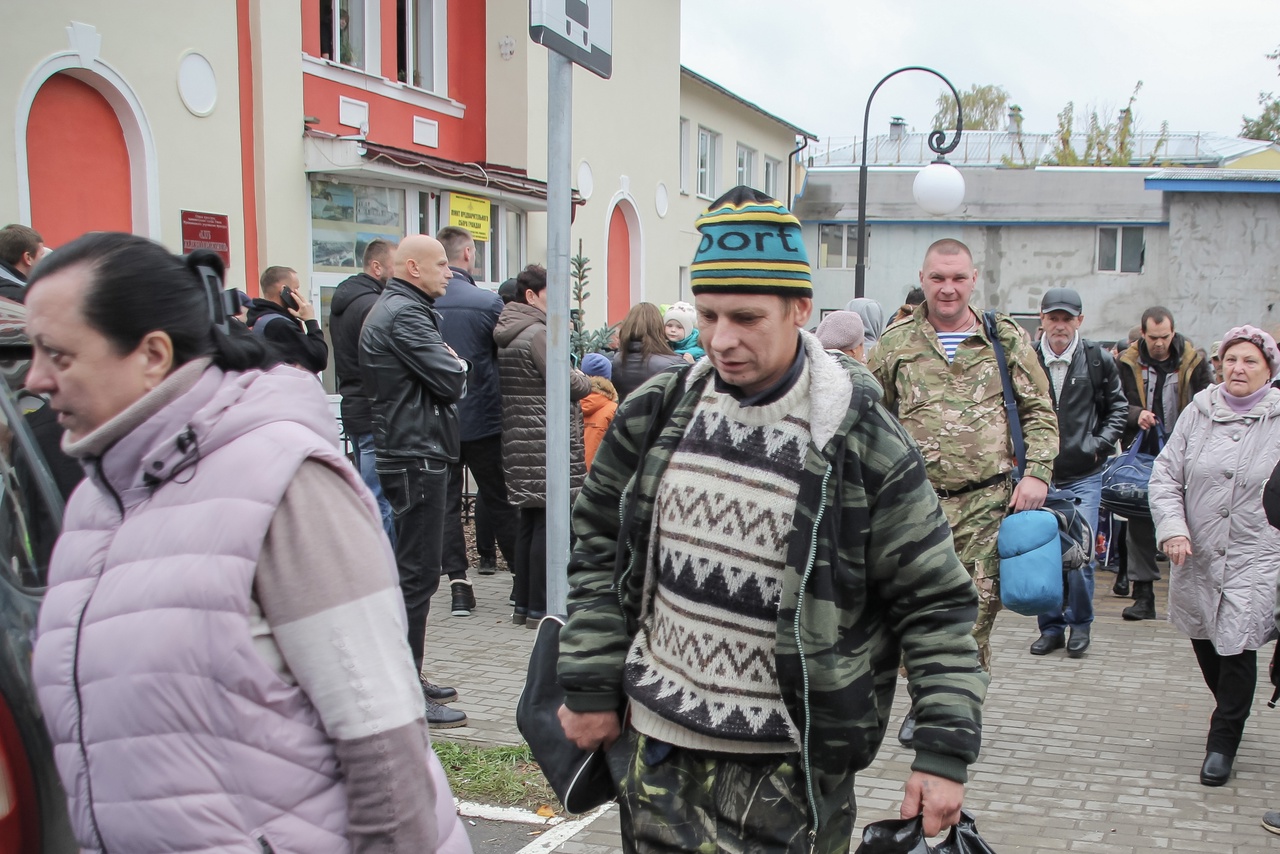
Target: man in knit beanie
x,y
778,545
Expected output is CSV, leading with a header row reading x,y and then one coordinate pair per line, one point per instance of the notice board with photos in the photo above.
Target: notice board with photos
x,y
345,218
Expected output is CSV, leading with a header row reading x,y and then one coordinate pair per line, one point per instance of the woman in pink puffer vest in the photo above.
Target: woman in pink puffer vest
x,y
221,654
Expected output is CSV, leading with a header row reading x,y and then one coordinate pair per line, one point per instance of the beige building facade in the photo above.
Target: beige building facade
x,y
237,111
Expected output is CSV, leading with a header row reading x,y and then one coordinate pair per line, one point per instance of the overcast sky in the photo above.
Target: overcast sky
x,y
813,62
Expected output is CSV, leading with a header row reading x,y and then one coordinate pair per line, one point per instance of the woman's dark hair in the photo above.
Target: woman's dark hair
x,y
137,286
531,278
643,324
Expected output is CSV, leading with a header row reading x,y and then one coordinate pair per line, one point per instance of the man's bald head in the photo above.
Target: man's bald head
x,y
421,261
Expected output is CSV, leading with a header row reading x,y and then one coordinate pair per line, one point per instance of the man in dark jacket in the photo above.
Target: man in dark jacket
x,y
20,249
287,320
351,303
1160,373
414,381
1085,385
468,315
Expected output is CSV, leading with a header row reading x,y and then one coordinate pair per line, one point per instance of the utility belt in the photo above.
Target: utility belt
x,y
994,480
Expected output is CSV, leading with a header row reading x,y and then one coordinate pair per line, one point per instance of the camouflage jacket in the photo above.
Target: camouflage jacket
x,y
955,410
871,571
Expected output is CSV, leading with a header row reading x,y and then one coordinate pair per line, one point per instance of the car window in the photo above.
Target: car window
x,y
29,521
35,476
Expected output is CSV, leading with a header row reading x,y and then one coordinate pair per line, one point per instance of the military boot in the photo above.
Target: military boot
x,y
1144,602
1121,587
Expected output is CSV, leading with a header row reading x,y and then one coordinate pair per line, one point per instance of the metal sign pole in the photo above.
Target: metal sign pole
x,y
559,155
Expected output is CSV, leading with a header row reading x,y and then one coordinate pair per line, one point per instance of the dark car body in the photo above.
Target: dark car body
x,y
33,807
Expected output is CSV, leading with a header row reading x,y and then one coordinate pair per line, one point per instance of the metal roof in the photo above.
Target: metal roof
x,y
711,84
1267,175
1001,148
1214,181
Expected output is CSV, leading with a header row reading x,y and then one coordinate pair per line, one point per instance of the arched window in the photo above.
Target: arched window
x,y
77,162
623,257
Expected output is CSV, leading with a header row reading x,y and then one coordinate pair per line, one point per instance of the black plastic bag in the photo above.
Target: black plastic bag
x,y
964,839
580,779
894,836
906,836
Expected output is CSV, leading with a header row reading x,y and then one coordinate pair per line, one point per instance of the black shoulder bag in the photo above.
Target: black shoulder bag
x,y
579,778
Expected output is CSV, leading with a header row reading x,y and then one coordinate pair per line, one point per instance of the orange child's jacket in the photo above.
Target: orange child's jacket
x,y
597,414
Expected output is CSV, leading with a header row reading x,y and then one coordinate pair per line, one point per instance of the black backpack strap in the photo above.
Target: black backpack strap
x,y
1093,361
1010,399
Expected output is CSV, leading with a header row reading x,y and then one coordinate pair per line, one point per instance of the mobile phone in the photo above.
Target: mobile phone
x,y
286,297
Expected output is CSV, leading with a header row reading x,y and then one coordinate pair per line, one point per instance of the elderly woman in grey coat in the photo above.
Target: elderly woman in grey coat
x,y
1206,501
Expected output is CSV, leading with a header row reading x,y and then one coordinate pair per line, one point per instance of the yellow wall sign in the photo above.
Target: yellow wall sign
x,y
471,213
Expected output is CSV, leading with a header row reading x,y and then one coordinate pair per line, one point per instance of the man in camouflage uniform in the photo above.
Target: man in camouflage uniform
x,y
953,406
756,544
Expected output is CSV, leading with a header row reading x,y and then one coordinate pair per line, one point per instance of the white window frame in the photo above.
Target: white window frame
x,y
369,45
848,247
439,45
745,175
1120,231
772,168
707,183
686,133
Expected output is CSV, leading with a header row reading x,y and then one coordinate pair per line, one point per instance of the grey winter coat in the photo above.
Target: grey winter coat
x,y
521,336
1207,487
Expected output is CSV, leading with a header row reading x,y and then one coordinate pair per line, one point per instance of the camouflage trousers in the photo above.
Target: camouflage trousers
x,y
672,799
975,519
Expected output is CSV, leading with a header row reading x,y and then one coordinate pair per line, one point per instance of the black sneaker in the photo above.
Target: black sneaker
x,y
437,693
488,565
463,598
443,717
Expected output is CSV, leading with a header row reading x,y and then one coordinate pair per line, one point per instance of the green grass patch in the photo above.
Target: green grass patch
x,y
505,776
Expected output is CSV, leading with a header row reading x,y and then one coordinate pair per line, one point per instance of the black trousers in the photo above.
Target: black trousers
x,y
484,458
415,489
1233,680
486,540
530,587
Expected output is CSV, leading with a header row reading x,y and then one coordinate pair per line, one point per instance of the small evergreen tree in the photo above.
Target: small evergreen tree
x,y
582,340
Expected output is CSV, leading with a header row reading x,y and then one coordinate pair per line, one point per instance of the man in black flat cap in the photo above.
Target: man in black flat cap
x,y
1092,409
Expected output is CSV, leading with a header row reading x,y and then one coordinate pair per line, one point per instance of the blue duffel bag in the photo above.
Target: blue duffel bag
x,y
1030,562
1126,479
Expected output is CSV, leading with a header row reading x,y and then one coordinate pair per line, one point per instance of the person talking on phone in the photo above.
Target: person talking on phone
x,y
284,317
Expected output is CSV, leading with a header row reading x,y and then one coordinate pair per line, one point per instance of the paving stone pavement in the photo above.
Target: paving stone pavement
x,y
1099,754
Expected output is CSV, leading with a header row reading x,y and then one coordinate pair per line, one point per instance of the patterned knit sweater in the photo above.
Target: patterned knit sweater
x,y
701,672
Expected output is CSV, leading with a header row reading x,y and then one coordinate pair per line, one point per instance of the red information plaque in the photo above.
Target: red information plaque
x,y
207,231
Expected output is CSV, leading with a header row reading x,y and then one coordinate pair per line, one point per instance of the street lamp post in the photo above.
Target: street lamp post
x,y
939,188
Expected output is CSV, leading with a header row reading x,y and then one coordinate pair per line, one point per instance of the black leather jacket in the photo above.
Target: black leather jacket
x,y
1090,419
412,379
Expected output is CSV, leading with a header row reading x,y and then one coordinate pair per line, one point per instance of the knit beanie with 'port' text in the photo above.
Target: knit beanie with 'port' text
x,y
750,244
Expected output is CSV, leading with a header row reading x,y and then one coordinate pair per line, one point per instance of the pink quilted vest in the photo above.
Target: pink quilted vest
x,y
170,732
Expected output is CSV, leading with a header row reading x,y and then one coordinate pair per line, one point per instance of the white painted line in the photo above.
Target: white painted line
x,y
557,836
515,815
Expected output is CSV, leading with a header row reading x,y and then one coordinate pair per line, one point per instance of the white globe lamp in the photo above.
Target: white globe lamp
x,y
939,188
